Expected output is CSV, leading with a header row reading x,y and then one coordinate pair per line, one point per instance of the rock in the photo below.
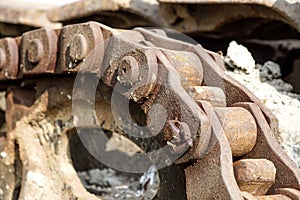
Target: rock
x,y
269,71
240,57
281,86
113,182
96,178
112,185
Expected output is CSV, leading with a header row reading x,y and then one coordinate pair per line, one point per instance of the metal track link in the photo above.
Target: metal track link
x,y
211,119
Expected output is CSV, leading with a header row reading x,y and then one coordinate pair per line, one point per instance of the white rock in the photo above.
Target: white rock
x,y
240,56
3,154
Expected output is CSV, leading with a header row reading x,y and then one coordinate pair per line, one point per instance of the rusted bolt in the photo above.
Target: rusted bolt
x,y
80,42
35,51
78,47
214,95
239,127
38,51
255,176
137,69
189,67
128,70
2,57
181,136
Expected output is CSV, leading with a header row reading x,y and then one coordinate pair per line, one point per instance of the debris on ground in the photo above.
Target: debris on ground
x,y
238,57
112,185
266,83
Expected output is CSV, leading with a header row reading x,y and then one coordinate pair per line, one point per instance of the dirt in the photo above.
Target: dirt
x,y
265,81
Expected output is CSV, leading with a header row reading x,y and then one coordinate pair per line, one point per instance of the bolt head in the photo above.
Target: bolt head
x,y
35,51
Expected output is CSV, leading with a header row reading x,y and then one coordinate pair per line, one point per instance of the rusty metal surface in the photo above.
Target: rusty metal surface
x,y
148,68
289,192
287,11
215,73
248,196
273,197
214,95
214,172
32,14
268,147
26,139
185,16
38,51
188,16
255,176
240,129
9,57
76,42
116,13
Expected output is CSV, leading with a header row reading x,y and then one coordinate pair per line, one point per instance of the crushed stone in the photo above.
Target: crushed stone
x,y
238,57
111,185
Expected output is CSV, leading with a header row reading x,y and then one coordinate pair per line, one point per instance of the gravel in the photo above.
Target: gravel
x,y
112,185
266,83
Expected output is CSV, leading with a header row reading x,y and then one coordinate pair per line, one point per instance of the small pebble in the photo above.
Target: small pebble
x,y
3,154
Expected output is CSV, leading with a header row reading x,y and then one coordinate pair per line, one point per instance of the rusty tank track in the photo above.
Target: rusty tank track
x,y
187,16
225,136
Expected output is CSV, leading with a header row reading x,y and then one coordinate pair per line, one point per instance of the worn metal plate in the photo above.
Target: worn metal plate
x,y
38,51
9,58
